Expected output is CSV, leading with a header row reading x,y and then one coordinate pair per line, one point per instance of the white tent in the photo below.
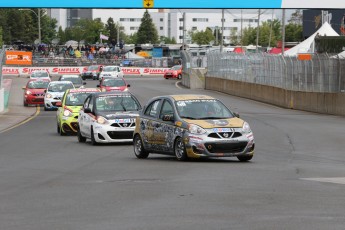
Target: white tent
x,y
72,43
307,46
339,55
130,55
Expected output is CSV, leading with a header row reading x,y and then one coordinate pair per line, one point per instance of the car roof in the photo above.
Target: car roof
x,y
70,75
112,93
39,79
83,90
183,97
61,82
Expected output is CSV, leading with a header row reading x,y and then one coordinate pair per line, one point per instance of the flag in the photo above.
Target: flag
x,y
102,36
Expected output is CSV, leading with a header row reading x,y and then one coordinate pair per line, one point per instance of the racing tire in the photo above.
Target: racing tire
x,y
45,108
61,131
83,78
179,76
25,104
93,140
81,139
58,129
139,150
180,150
245,158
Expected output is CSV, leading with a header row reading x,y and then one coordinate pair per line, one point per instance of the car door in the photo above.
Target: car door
x,y
83,117
164,132
148,124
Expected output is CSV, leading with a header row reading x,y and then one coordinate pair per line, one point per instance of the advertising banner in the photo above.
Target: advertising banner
x,y
18,58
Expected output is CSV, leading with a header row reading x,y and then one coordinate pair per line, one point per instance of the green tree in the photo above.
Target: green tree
x,y
112,29
131,39
234,38
61,35
202,37
147,32
1,42
219,35
91,30
296,17
248,36
167,40
293,32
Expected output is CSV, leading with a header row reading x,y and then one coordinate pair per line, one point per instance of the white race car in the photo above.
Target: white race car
x,y
54,93
111,71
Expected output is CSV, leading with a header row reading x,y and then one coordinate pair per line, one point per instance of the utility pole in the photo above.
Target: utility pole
x,y
283,32
39,26
221,40
241,31
258,31
270,38
184,30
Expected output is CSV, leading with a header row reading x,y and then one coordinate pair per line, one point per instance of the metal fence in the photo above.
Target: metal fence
x,y
2,55
323,73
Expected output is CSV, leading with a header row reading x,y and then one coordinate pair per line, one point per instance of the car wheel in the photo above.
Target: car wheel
x,y
61,131
180,150
179,76
245,158
81,139
45,108
58,130
93,141
83,78
25,104
139,150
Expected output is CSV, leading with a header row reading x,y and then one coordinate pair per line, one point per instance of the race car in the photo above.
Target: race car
x,y
174,72
54,93
93,72
34,91
68,111
113,84
108,117
111,71
191,126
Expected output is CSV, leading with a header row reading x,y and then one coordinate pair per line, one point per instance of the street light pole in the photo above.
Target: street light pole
x,y
38,15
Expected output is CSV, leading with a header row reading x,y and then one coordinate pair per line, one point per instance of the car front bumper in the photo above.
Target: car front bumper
x,y
106,133
69,124
205,146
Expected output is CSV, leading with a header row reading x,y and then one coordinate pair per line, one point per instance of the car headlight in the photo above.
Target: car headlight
x,y
28,92
49,95
246,128
195,129
67,113
101,120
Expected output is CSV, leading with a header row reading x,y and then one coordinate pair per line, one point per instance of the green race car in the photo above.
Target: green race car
x,y
68,111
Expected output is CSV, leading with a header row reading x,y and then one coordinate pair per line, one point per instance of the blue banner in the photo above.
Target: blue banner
x,y
157,52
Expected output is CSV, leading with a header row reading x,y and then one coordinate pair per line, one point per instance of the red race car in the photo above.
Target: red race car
x,y
113,84
174,72
34,91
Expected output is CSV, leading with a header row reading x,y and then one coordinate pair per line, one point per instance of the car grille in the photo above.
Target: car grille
x,y
120,135
225,135
57,98
225,147
123,125
38,95
38,99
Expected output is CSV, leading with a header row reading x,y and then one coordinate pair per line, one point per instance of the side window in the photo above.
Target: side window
x,y
86,103
152,109
167,109
90,106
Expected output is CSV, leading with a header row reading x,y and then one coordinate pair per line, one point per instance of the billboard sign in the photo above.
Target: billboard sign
x,y
18,58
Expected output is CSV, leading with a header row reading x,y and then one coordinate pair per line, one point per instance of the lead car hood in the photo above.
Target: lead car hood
x,y
216,123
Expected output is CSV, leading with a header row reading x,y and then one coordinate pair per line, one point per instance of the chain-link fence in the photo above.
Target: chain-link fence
x,y
320,74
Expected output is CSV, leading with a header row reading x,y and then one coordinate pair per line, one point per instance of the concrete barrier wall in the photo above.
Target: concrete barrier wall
x,y
327,103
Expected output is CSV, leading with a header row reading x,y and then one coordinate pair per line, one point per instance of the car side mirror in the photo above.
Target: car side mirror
x,y
58,104
45,90
168,117
23,87
237,115
128,85
87,110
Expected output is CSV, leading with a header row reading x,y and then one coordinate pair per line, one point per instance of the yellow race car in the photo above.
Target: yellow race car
x,y
68,109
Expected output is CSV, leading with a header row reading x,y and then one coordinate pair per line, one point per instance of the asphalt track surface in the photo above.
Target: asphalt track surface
x,y
296,179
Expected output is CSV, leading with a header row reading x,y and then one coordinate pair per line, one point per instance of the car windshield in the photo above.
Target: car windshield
x,y
92,67
176,67
39,74
59,87
38,84
76,99
116,103
74,80
109,69
202,109
114,82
